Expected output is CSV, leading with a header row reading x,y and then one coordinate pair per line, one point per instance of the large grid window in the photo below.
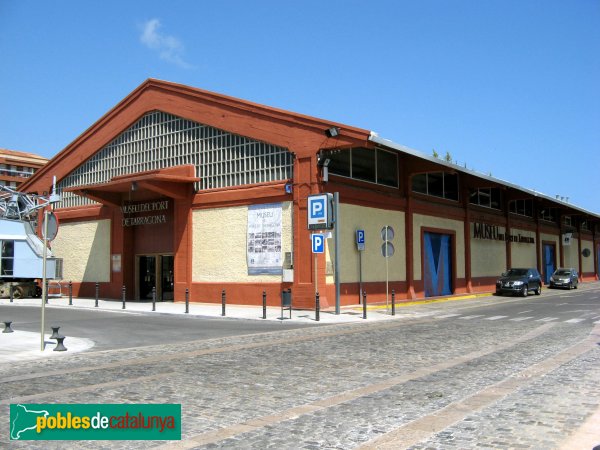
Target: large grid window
x,y
437,184
160,140
372,165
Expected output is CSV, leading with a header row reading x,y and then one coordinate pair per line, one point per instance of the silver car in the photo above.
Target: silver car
x,y
564,278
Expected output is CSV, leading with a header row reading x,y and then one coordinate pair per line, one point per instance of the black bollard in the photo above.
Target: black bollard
x,y
317,307
54,333
60,347
7,328
264,304
223,302
11,293
123,292
154,298
187,300
97,293
393,302
70,293
364,304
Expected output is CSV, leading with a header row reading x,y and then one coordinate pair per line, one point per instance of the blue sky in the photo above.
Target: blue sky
x,y
508,87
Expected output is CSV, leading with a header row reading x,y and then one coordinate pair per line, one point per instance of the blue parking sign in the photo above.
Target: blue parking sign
x,y
318,243
320,211
360,240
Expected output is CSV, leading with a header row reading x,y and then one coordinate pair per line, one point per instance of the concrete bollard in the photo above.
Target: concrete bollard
x,y
223,302
54,332
60,347
317,307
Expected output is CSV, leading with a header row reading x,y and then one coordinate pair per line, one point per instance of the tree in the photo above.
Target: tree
x,y
435,154
448,157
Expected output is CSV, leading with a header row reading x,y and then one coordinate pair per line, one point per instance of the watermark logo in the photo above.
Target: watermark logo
x,y
95,422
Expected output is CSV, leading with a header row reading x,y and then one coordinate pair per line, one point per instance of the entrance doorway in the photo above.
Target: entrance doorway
x,y
549,250
437,264
154,271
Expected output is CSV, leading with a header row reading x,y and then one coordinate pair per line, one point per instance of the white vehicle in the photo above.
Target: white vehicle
x,y
21,250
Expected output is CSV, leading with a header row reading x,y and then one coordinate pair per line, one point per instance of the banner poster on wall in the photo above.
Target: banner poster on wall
x,y
264,239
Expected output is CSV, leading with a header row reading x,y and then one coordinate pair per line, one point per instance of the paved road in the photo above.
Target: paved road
x,y
491,373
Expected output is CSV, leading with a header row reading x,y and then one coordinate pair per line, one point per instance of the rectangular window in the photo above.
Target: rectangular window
x,y
363,164
387,168
339,163
521,207
487,197
437,184
7,257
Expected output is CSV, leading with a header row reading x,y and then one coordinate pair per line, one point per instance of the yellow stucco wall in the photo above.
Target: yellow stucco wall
x,y
371,220
420,221
572,254
85,249
523,254
219,244
488,257
587,264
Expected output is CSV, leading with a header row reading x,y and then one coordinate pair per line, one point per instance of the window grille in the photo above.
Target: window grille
x,y
160,140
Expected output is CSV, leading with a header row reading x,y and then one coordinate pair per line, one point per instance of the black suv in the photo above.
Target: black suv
x,y
519,281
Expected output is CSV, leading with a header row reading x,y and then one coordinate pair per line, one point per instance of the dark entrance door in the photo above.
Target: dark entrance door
x,y
155,271
147,277
167,280
549,261
437,264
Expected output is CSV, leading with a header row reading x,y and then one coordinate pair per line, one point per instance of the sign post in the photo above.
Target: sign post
x,y
387,250
49,231
360,246
318,246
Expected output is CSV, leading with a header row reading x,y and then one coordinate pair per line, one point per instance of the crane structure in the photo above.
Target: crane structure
x,y
21,249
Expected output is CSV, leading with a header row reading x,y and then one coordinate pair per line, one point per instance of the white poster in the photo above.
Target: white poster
x,y
264,239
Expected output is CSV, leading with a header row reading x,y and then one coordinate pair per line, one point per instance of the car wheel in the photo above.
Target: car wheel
x,y
570,285
524,291
18,292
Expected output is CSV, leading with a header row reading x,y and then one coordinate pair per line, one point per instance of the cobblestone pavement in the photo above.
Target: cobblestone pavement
x,y
419,383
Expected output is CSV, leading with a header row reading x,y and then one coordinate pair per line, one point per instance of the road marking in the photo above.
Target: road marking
x,y
523,312
547,319
496,317
447,315
574,320
521,318
471,317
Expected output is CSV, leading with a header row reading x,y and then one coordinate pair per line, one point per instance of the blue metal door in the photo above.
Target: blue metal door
x,y
437,264
549,261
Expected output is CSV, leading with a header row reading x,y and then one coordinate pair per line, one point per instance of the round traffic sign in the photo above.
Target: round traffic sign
x,y
387,233
387,249
51,225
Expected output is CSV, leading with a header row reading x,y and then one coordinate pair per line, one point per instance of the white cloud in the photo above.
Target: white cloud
x,y
169,48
